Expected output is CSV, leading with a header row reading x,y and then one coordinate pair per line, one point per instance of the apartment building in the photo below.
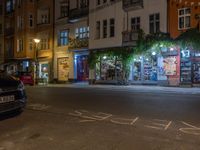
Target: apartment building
x,y
63,58
18,27
9,32
45,33
71,40
1,32
79,39
24,27
184,17
115,24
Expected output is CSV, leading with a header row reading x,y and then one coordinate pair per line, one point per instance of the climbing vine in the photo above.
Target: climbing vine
x,y
189,39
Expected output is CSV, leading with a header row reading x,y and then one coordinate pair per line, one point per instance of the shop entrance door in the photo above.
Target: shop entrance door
x,y
196,72
44,72
82,68
137,72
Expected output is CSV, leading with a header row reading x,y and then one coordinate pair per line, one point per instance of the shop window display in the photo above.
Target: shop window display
x,y
145,69
186,73
150,70
196,72
196,67
137,71
109,68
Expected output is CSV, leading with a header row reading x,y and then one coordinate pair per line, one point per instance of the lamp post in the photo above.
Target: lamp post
x,y
37,41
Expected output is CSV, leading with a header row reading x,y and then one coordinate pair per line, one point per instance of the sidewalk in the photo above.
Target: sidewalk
x,y
130,88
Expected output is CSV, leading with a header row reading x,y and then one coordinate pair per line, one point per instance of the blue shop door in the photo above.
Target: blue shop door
x,y
82,68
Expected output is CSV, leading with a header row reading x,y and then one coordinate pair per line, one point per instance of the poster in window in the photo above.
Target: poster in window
x,y
63,69
170,65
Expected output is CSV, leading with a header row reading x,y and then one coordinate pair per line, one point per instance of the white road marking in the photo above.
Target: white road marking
x,y
192,130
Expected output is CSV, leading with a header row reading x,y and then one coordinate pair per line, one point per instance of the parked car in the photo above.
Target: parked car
x,y
12,94
25,77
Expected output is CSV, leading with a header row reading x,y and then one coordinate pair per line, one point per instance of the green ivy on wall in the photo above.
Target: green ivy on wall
x,y
78,43
189,39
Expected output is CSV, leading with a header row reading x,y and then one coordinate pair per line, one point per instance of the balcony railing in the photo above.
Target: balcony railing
x,y
132,4
129,38
78,13
9,31
78,43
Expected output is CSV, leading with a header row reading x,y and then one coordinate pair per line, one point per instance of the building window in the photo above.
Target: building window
x,y
154,23
30,20
112,27
30,44
19,3
184,18
104,28
98,24
104,1
83,3
1,29
98,2
1,9
64,9
10,4
44,44
82,32
135,23
19,45
44,19
63,38
19,22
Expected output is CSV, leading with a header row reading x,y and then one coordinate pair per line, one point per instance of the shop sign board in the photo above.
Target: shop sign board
x,y
63,69
170,53
170,64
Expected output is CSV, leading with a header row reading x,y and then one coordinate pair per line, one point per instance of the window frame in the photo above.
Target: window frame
x,y
112,27
63,38
154,23
184,16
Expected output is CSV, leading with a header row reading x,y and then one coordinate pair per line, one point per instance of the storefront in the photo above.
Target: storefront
x,y
109,69
63,66
159,68
171,65
44,71
144,69
81,68
190,67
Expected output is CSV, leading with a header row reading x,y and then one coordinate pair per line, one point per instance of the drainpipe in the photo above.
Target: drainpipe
x,y
53,38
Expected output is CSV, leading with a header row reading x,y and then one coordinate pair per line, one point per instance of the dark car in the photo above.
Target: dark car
x,y
12,94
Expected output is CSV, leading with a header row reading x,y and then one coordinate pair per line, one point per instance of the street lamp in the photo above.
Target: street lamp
x,y
37,41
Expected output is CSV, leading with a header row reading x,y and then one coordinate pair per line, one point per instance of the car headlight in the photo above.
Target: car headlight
x,y
20,86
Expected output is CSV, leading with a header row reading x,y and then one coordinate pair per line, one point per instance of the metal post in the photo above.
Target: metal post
x,y
36,60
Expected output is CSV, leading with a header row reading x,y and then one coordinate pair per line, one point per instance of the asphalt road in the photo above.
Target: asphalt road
x,y
105,118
